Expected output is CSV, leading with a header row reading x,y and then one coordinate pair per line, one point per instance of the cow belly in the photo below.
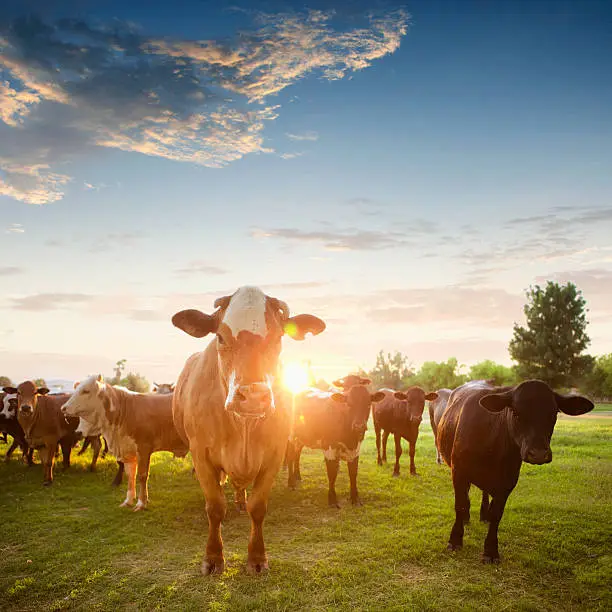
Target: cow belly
x,y
341,452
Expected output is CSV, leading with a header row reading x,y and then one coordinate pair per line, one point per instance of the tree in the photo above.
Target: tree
x,y
40,382
389,371
496,372
135,382
119,368
437,375
5,381
598,382
550,347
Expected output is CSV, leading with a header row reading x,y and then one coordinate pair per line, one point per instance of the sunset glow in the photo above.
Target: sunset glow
x,y
295,377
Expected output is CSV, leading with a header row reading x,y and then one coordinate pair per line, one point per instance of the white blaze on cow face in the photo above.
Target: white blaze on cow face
x,y
8,411
85,402
247,312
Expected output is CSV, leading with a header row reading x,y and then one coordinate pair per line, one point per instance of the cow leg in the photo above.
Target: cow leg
x,y
105,449
439,459
119,475
298,456
332,474
385,437
412,449
286,457
484,507
66,450
84,446
9,452
130,468
240,499
47,458
353,466
209,478
144,461
257,506
496,511
28,454
378,456
291,456
461,486
398,453
96,445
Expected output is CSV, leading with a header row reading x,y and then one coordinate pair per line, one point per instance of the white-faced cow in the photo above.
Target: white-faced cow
x,y
335,423
400,413
227,408
134,424
44,425
10,425
486,433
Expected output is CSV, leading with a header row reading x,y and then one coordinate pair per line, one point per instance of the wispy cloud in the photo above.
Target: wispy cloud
x,y
71,86
42,302
290,155
200,267
311,136
11,270
15,228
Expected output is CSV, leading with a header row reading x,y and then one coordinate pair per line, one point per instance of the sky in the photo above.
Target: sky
x,y
403,171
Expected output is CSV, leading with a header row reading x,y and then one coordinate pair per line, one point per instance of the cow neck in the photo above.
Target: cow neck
x,y
35,418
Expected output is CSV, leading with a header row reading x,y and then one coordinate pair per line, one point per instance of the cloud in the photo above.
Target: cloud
x,y
42,302
15,228
71,86
290,155
199,267
310,136
10,270
352,240
114,240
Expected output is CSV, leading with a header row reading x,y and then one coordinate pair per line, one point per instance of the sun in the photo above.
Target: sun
x,y
295,377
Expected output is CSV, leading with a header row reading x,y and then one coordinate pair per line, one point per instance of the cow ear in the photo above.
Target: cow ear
x,y
297,327
399,395
338,397
195,323
10,390
377,397
496,402
42,390
573,405
430,397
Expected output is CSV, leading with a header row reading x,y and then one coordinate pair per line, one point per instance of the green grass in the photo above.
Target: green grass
x,y
72,547
602,408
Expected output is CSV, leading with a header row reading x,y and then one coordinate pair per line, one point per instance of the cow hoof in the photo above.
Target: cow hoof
x,y
334,505
356,502
126,504
454,547
487,560
47,483
212,567
257,568
379,462
395,474
139,506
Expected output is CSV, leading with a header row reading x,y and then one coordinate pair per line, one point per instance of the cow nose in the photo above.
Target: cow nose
x,y
539,456
254,399
26,409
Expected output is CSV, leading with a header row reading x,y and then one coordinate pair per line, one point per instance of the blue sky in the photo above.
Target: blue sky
x,y
403,171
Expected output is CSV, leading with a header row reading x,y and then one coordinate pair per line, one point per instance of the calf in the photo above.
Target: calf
x,y
484,436
335,423
43,424
10,425
399,413
134,424
436,410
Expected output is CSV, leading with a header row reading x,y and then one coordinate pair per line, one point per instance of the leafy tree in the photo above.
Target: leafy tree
x,y
489,370
550,346
389,371
437,375
5,381
135,382
119,368
598,382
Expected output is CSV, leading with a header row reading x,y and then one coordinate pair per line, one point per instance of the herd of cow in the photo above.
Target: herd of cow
x,y
231,412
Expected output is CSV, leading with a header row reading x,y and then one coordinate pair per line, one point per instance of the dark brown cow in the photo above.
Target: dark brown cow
x,y
335,423
44,425
134,424
227,406
484,436
436,410
10,425
399,413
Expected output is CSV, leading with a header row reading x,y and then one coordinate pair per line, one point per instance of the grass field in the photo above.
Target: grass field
x,y
72,547
603,408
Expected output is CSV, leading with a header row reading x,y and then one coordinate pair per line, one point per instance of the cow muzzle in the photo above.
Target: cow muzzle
x,y
252,400
538,456
26,409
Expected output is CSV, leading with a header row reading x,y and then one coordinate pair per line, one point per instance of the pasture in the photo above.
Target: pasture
x,y
71,547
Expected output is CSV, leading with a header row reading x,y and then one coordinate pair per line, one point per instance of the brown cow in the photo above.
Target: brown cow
x,y
163,388
134,424
335,423
400,413
227,406
44,425
436,410
350,381
10,425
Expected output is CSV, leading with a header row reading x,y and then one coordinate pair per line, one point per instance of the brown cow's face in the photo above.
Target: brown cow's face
x,y
249,326
350,381
415,401
358,400
533,414
164,388
27,398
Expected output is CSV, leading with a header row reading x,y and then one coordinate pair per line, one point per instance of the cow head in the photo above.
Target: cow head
x,y
8,408
27,398
87,401
358,400
164,388
415,401
350,381
249,326
532,414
